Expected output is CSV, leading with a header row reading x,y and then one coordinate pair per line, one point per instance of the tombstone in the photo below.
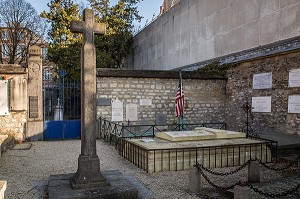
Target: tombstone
x,y
58,112
35,123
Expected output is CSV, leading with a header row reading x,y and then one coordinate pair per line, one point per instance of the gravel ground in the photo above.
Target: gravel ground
x,y
26,171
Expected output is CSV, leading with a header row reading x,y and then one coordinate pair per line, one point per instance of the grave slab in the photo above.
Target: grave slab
x,y
200,133
59,186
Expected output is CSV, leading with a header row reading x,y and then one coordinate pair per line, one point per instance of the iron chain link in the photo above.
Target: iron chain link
x,y
200,166
201,169
282,168
274,195
217,186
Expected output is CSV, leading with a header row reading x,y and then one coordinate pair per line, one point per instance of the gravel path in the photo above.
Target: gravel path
x,y
27,171
23,169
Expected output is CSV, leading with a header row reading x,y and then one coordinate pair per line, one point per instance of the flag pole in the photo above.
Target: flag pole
x,y
181,102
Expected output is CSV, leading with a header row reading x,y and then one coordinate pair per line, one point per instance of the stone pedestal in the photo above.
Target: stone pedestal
x,y
59,187
88,174
253,172
194,180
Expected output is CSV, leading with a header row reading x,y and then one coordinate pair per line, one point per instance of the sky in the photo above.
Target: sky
x,y
147,8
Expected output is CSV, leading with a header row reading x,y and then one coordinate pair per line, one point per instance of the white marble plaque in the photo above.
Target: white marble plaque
x,y
145,102
131,112
294,104
262,81
294,78
261,104
4,103
116,110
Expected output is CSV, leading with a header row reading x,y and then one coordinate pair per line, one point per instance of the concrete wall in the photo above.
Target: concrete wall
x,y
197,30
240,85
205,96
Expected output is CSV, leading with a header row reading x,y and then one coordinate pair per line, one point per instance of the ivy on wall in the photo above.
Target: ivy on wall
x,y
217,68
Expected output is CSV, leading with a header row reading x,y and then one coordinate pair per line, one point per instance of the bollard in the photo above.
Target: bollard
x,y
253,172
194,180
241,192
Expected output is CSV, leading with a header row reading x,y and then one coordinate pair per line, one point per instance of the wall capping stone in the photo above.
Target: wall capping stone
x,y
155,74
12,69
273,49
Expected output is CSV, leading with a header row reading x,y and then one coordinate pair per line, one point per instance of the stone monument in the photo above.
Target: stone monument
x,y
88,173
88,181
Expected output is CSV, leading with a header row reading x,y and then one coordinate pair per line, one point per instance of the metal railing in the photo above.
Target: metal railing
x,y
111,131
168,159
216,156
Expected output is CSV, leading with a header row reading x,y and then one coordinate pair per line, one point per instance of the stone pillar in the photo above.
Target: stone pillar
x,y
35,123
194,180
242,192
253,172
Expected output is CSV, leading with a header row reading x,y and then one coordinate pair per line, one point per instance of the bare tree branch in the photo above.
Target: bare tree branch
x,y
20,27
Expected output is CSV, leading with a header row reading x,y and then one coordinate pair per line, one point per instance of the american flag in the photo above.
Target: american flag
x,y
179,100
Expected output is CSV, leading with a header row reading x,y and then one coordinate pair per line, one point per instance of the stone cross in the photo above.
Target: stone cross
x,y
88,174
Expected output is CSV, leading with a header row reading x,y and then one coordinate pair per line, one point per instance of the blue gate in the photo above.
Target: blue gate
x,y
61,106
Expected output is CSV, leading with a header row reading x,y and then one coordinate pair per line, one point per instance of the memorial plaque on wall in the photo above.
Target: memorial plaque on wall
x,y
294,104
116,110
261,104
4,100
294,78
145,102
33,107
262,81
131,112
103,102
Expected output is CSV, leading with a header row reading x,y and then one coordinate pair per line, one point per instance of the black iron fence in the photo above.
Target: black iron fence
x,y
111,131
169,159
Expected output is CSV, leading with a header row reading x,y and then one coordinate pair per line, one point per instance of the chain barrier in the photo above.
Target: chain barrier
x,y
200,166
282,168
274,195
217,186
201,169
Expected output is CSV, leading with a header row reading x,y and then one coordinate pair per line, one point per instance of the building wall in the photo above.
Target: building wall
x,y
15,122
240,85
205,97
193,31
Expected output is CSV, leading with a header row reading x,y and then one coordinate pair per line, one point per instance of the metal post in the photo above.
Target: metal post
x,y
298,167
122,129
100,127
153,134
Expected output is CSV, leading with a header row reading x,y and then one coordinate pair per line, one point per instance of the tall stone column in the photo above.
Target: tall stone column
x,y
88,174
35,123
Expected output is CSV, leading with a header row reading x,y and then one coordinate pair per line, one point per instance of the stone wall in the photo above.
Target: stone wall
x,y
15,122
194,31
205,96
239,86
